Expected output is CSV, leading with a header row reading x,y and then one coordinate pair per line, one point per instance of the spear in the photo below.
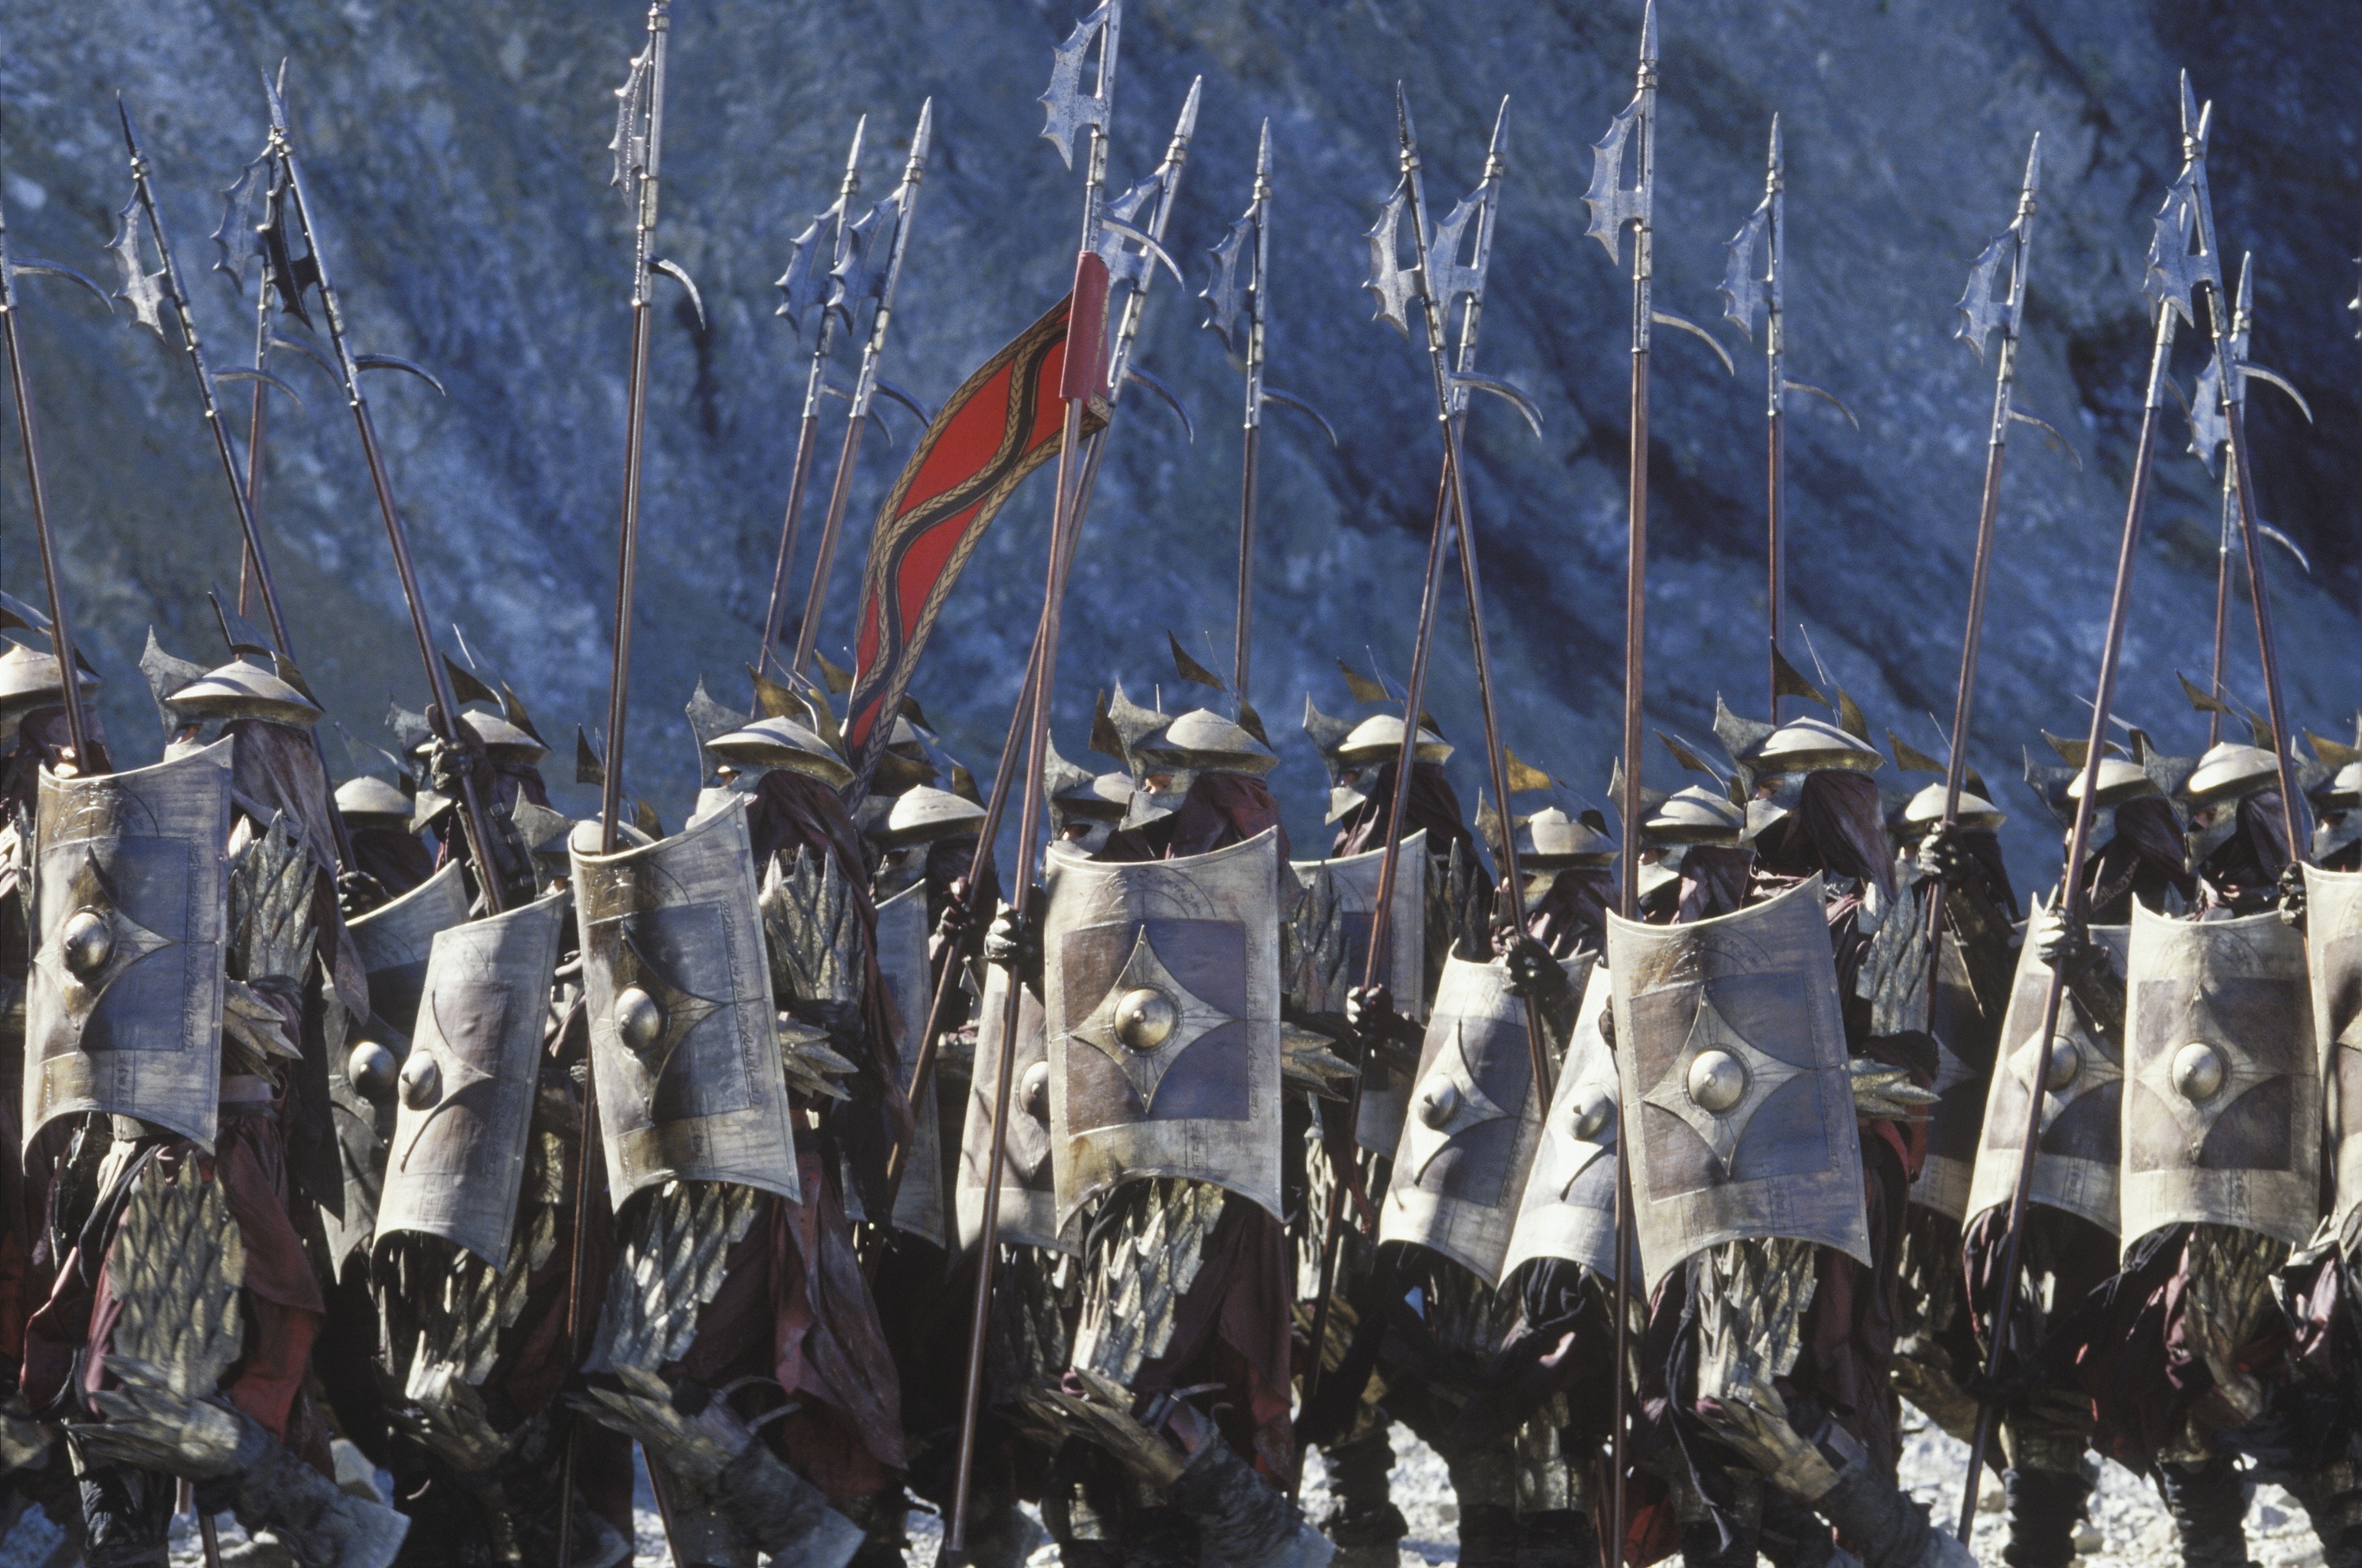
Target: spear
x,y
1615,206
1436,282
1121,371
2168,257
2201,268
1981,315
1085,376
28,430
1229,295
148,300
443,715
802,286
888,225
638,147
1745,292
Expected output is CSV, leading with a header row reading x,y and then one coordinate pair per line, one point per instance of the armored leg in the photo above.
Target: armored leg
x,y
1884,1528
1242,1520
1361,1518
2045,1507
127,1515
2210,1509
2332,1496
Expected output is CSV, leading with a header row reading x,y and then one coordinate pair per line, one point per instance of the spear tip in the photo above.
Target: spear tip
x,y
2247,301
1649,34
922,134
1500,128
1187,126
1777,156
860,129
1262,148
275,91
2033,164
1402,113
2189,104
124,113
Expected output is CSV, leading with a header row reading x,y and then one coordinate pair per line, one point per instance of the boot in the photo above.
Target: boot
x,y
773,1507
2209,1505
1361,1518
1881,1528
880,1516
1562,1538
2045,1507
127,1515
1242,1521
320,1525
1488,1535
2333,1500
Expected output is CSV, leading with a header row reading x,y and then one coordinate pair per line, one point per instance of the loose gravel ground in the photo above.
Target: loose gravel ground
x,y
2128,1528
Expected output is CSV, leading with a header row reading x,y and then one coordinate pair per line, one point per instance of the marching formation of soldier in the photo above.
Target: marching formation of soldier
x,y
1641,1164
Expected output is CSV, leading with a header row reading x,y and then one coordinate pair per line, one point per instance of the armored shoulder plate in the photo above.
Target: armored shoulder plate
x,y
684,1038
2076,1158
813,932
1342,899
1474,1122
394,941
910,985
1737,1090
1569,1207
1160,990
2223,1092
1029,1204
456,1165
2333,949
131,909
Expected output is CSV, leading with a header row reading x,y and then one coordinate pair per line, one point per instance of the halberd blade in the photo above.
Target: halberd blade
x,y
1070,109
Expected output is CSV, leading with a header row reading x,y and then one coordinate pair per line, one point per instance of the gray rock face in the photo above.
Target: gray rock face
x,y
459,159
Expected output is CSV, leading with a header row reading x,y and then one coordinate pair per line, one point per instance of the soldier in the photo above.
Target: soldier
x,y
2338,819
2222,1149
2071,1220
707,1090
387,848
496,748
1769,1241
1167,1155
1960,1003
33,737
1566,902
179,1194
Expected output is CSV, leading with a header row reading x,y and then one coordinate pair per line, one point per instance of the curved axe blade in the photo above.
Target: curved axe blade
x,y
918,409
1663,317
1503,389
243,374
1791,385
680,275
396,362
2284,542
59,270
1289,400
297,346
1155,384
2249,370
2019,416
1151,249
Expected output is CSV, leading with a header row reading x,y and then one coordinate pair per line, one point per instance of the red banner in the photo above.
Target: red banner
x,y
1001,424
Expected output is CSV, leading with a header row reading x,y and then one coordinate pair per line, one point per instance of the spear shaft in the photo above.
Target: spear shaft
x,y
29,431
193,345
808,429
1775,360
2222,603
1250,463
444,715
2072,896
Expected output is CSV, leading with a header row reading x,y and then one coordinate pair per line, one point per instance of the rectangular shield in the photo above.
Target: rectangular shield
x,y
684,1037
1160,996
918,1204
463,1120
1029,1198
123,1006
2222,1090
1568,1208
1736,1090
2333,944
1349,884
2077,1158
